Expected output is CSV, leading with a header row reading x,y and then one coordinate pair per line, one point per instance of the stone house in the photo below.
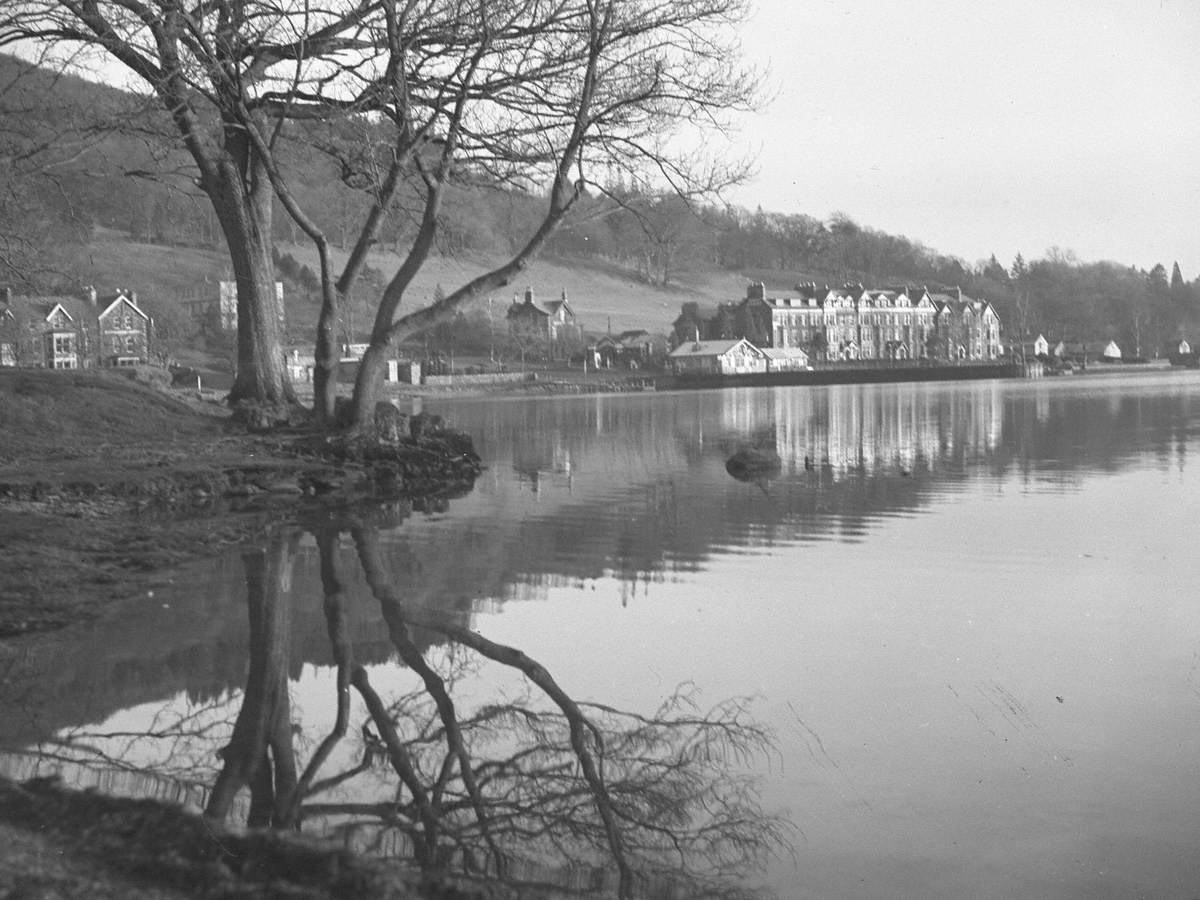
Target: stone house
x,y
965,328
553,320
61,332
123,329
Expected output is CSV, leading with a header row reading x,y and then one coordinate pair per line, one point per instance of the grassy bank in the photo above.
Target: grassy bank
x,y
107,480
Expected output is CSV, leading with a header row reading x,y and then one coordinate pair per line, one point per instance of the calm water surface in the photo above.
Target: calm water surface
x,y
967,610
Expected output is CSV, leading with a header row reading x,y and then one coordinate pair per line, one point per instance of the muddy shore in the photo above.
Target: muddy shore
x,y
106,484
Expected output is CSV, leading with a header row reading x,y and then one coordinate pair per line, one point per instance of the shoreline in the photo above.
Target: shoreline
x,y
553,383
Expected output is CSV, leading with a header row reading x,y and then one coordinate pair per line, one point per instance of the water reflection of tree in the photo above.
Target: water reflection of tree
x,y
541,789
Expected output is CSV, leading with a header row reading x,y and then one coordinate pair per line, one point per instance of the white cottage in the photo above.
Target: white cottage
x,y
785,359
729,357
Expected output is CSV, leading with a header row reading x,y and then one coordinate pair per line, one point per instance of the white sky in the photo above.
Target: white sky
x,y
990,126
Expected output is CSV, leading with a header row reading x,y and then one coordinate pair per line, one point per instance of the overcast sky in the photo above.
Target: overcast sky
x,y
981,127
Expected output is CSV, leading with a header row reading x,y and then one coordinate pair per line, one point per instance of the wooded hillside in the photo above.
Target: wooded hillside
x,y
93,190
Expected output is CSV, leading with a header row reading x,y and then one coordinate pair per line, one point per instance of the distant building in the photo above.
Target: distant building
x,y
544,328
727,357
1111,352
1072,351
1038,348
853,322
786,359
124,331
226,310
553,320
63,332
300,365
633,349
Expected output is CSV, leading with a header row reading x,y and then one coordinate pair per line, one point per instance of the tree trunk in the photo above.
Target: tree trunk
x,y
371,372
242,197
325,357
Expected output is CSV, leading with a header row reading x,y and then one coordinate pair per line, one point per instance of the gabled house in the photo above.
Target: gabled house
x,y
61,332
49,332
728,357
123,330
1038,348
551,319
1111,352
965,328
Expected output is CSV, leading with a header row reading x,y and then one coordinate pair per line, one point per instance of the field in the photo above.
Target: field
x,y
603,295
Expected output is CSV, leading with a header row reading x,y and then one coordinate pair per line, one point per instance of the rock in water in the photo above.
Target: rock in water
x,y
754,465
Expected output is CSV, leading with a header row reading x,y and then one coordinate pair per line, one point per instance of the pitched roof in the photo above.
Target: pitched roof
x,y
784,353
41,307
708,348
106,304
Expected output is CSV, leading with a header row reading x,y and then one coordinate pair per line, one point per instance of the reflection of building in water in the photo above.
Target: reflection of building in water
x,y
543,463
856,427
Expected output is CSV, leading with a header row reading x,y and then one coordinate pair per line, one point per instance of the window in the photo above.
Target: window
x,y
131,343
63,345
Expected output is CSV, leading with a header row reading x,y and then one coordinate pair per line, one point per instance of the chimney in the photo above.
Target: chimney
x,y
528,295
89,294
958,291
8,295
756,291
133,297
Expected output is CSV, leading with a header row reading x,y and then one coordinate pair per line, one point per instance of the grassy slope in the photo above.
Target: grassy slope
x,y
597,291
154,271
58,415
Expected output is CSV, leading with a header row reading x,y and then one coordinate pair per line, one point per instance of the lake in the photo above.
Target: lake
x,y
966,610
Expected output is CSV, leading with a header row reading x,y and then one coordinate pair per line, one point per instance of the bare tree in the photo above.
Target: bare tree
x,y
207,65
531,94
543,97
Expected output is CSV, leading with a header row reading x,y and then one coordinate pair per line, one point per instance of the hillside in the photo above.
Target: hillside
x,y
597,291
104,194
165,277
